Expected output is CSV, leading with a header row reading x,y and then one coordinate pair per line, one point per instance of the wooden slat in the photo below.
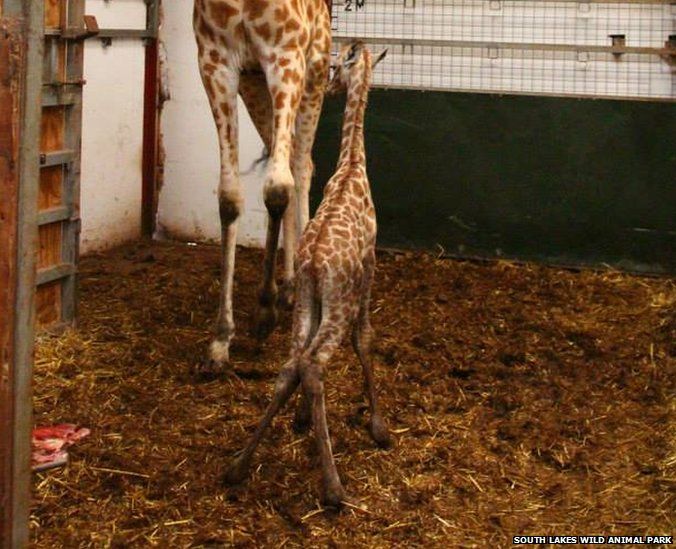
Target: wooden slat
x,y
51,187
48,303
52,138
49,250
53,13
52,129
54,69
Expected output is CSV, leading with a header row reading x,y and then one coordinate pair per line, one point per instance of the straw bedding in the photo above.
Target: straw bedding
x,y
522,399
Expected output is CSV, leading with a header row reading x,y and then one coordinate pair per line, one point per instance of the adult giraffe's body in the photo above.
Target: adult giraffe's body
x,y
275,54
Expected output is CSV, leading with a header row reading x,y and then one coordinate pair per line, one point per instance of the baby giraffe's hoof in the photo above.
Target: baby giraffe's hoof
x,y
285,299
302,419
266,320
335,497
379,432
236,473
300,426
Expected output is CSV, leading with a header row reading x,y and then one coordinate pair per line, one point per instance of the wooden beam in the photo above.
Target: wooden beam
x,y
20,84
151,121
12,47
150,138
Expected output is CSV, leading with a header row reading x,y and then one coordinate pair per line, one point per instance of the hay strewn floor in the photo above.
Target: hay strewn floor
x,y
524,400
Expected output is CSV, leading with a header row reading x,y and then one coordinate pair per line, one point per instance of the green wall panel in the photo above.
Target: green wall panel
x,y
566,181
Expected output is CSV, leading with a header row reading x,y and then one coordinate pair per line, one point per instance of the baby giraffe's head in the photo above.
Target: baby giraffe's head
x,y
350,63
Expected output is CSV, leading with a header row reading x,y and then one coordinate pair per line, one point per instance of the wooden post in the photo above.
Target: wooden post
x,y
20,86
150,139
150,122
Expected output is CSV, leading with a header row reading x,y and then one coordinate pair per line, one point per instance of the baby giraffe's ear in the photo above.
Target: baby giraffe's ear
x,y
380,57
351,57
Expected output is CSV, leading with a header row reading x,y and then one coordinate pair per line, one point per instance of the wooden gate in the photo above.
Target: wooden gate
x,y
61,129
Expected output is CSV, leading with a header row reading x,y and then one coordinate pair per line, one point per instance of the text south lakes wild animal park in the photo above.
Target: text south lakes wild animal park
x,y
592,540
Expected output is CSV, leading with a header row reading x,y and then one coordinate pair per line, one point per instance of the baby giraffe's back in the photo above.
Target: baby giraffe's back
x,y
342,234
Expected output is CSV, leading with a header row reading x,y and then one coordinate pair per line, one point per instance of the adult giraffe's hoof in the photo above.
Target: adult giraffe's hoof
x,y
210,368
217,362
236,473
379,432
266,320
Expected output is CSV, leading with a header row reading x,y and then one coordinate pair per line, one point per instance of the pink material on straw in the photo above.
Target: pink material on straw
x,y
49,444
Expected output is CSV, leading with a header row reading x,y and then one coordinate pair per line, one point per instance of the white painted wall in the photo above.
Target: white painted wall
x,y
112,130
188,207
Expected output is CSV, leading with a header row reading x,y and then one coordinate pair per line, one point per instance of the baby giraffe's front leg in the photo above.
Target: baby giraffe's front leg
x,y
286,384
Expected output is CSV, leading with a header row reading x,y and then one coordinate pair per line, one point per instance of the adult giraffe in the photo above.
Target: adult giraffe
x,y
275,54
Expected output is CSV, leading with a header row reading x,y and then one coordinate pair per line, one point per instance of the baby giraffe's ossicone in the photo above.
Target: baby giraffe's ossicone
x,y
335,265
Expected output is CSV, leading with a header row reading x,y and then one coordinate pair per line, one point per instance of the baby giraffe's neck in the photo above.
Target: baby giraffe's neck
x,y
352,144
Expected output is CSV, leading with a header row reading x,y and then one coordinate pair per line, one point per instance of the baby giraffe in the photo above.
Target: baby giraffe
x,y
335,263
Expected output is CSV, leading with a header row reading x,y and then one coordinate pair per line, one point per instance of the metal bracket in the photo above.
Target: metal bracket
x,y
91,28
670,46
618,41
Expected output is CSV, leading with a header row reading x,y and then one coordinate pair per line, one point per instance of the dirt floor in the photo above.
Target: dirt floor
x,y
524,400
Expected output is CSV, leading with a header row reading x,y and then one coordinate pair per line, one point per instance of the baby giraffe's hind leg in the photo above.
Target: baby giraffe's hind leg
x,y
312,372
306,302
286,384
361,341
302,419
362,338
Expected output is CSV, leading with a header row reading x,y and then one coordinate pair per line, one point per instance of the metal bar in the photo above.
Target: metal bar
x,y
505,45
54,96
55,272
56,158
105,33
151,30
641,2
54,215
124,33
153,17
71,189
522,93
16,424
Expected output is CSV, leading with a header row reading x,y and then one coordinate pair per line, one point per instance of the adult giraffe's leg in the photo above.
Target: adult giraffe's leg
x,y
362,337
221,85
301,163
254,92
285,88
